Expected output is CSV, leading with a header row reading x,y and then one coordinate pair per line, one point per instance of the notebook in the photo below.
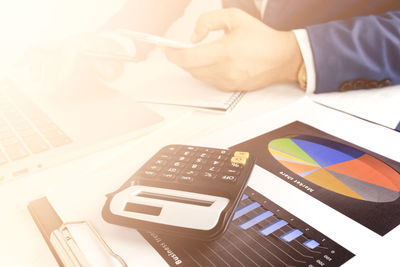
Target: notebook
x,y
155,80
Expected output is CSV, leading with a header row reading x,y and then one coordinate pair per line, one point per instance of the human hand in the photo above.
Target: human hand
x,y
54,64
249,56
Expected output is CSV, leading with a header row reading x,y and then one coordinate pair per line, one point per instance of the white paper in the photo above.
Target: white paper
x,y
156,80
381,106
370,248
85,200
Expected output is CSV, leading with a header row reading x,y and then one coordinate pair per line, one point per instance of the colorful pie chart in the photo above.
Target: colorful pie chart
x,y
337,167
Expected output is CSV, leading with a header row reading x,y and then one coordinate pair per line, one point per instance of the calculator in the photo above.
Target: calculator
x,y
185,191
182,190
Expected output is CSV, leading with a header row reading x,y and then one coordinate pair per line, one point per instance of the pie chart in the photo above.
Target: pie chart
x,y
337,167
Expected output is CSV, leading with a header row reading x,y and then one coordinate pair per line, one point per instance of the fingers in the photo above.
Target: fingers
x,y
108,71
212,21
219,77
210,53
195,57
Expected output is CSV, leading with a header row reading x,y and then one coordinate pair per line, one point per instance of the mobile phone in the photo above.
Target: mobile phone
x,y
154,39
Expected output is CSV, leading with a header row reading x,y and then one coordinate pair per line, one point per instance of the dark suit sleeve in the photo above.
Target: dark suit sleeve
x,y
361,52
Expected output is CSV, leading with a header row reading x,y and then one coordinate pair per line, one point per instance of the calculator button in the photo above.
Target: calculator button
x,y
213,169
240,154
155,168
183,159
195,166
223,152
232,172
234,166
190,173
209,151
165,156
204,155
168,176
200,160
171,150
161,162
178,164
229,178
149,174
239,160
192,148
172,170
187,153
208,175
220,157
217,163
185,179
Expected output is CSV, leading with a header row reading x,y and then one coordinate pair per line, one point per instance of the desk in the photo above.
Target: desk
x,y
21,243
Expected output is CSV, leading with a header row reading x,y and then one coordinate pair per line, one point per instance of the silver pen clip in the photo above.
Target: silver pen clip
x,y
75,251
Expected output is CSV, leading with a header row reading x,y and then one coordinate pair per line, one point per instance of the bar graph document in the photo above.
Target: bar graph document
x,y
261,234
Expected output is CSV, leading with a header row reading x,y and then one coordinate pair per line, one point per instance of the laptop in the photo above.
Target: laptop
x,y
41,128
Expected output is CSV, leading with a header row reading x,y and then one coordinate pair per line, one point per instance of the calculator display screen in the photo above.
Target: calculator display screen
x,y
146,209
185,200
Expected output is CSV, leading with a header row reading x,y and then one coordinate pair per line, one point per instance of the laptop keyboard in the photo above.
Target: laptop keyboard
x,y
25,129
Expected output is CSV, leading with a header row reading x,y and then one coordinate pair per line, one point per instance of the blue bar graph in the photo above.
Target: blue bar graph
x,y
245,209
291,235
273,227
256,219
311,244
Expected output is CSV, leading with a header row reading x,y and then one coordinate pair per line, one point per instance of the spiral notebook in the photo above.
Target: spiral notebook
x,y
175,87
155,80
195,97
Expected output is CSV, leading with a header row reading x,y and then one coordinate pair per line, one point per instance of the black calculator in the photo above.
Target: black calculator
x,y
187,191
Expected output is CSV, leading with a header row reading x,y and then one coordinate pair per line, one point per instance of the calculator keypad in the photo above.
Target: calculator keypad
x,y
189,164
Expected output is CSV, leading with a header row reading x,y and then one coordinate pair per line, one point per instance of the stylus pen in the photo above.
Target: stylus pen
x,y
108,56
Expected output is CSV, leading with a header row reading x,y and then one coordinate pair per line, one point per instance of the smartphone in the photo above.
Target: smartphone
x,y
140,37
153,39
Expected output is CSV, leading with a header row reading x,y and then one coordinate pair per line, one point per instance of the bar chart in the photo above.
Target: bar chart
x,y
261,234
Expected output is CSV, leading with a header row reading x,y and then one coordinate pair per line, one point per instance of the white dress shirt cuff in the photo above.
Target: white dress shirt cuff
x,y
306,52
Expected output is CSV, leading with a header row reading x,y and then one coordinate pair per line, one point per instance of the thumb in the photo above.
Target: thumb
x,y
108,71
211,21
